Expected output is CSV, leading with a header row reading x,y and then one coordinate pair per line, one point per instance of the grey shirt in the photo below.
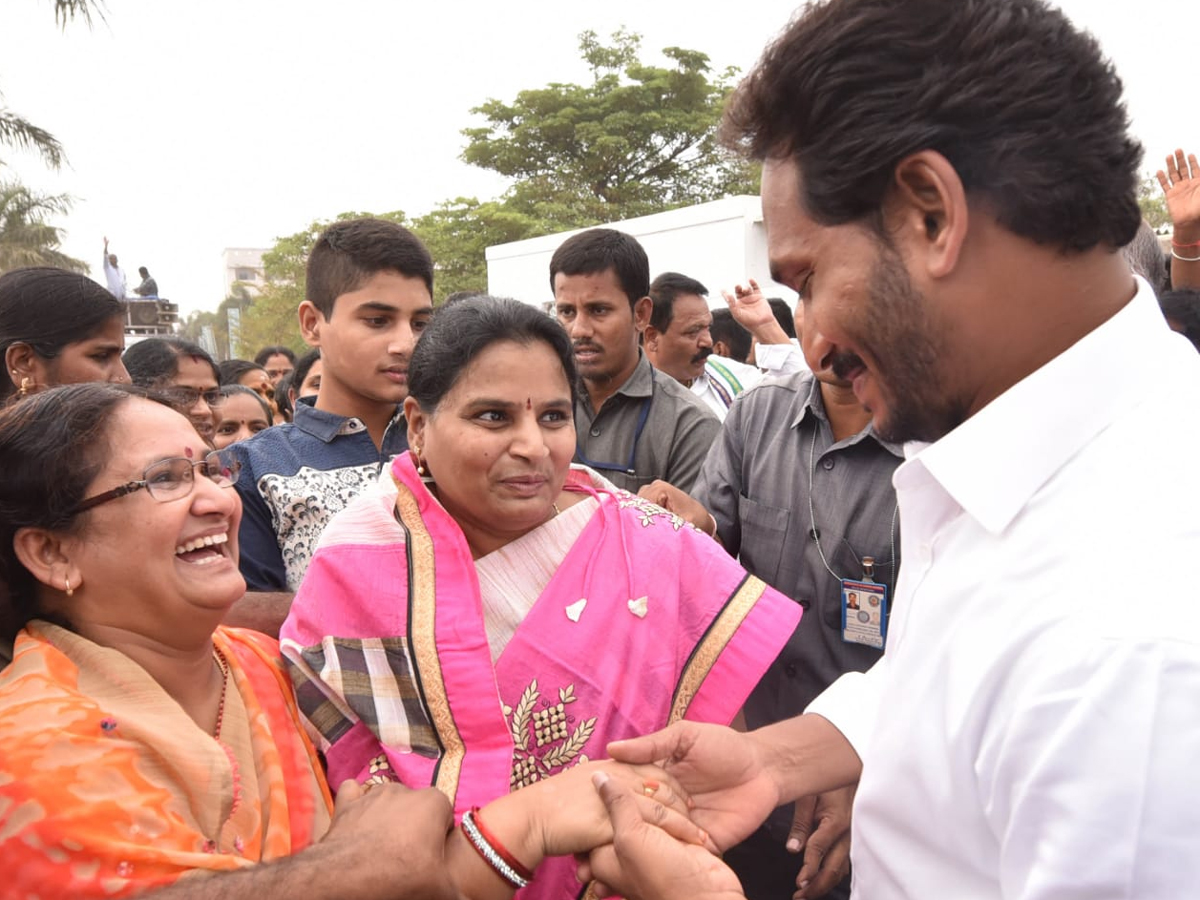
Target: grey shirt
x,y
678,431
756,482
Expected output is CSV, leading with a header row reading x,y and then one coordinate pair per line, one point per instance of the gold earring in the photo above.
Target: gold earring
x,y
67,587
420,462
26,387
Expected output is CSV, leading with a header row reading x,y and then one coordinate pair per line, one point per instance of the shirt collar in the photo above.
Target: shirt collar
x,y
640,382
325,425
811,403
993,463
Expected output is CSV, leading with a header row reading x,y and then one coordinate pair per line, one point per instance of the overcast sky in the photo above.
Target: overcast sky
x,y
192,127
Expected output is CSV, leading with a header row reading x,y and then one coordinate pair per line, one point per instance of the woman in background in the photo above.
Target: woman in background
x,y
253,376
183,373
241,415
57,327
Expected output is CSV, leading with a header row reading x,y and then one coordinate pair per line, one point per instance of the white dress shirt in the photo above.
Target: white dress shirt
x,y
1033,729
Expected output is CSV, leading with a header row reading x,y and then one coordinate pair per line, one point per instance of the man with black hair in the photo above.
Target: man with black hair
x,y
947,185
729,338
679,343
369,289
149,287
633,426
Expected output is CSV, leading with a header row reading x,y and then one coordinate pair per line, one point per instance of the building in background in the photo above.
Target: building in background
x,y
243,266
720,244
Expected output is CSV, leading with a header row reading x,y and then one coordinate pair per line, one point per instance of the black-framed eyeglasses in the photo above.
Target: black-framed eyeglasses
x,y
173,479
186,397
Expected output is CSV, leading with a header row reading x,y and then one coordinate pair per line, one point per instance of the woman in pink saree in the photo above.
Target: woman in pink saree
x,y
495,615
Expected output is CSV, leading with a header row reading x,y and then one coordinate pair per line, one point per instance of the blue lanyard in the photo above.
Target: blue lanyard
x,y
628,469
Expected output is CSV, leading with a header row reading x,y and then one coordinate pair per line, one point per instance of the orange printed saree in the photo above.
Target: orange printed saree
x,y
108,788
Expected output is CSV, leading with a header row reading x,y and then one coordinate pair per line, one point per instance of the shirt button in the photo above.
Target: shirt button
x,y
827,464
595,432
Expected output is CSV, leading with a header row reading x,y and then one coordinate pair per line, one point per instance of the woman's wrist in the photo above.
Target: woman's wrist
x,y
515,825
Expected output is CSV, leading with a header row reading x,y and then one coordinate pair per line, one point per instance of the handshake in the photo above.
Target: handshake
x,y
648,824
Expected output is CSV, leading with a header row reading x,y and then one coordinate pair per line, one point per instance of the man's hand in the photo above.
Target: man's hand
x,y
393,835
821,829
721,770
752,311
1181,186
645,863
672,499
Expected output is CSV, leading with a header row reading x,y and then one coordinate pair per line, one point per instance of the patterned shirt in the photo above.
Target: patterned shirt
x,y
294,479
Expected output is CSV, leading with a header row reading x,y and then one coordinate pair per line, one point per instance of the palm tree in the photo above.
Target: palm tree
x,y
66,10
26,239
16,131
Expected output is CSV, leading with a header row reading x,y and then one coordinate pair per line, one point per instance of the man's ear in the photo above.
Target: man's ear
x,y
47,557
650,338
719,348
926,211
641,313
311,320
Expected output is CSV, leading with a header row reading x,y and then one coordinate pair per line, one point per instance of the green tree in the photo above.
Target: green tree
x,y
458,233
26,239
639,139
1152,203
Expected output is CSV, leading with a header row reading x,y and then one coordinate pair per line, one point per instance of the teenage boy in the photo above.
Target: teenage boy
x,y
370,295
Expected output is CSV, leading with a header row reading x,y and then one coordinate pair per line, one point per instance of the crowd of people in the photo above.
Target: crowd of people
x,y
474,600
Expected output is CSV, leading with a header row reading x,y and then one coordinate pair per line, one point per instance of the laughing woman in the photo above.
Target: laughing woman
x,y
144,747
499,616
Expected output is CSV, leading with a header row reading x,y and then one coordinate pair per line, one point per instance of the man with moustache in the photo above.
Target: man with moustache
x,y
947,184
679,343
633,425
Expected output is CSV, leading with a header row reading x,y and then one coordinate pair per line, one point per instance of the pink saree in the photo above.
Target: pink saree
x,y
645,621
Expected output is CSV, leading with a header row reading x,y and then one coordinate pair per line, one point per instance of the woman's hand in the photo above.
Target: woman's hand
x,y
564,815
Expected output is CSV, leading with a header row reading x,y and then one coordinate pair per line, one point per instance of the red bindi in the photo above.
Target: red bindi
x,y
187,451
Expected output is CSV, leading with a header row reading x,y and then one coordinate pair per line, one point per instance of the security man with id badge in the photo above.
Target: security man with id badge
x,y
799,488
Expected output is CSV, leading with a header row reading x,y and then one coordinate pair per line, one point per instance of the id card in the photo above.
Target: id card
x,y
864,613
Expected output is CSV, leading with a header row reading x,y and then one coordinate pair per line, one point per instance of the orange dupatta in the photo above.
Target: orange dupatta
x,y
107,787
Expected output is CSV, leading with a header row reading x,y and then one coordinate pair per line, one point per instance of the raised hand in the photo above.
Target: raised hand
x,y
1180,181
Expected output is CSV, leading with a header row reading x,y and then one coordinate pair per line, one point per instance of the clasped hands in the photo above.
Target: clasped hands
x,y
729,790
647,825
